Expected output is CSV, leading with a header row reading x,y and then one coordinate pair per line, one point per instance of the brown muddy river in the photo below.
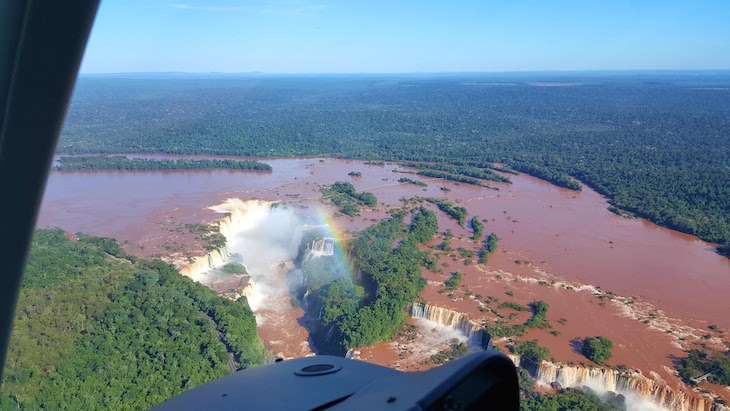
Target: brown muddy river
x,y
673,281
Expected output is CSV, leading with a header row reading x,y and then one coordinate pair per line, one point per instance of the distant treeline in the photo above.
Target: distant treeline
x,y
77,163
557,178
407,180
656,145
451,177
460,170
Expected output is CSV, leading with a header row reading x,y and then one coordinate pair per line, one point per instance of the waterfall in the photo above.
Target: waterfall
x,y
252,294
236,212
321,247
328,336
215,258
473,331
631,384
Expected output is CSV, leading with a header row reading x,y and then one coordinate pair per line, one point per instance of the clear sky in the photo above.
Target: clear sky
x,y
396,36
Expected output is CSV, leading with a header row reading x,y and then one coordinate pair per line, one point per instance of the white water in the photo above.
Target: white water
x,y
321,247
446,319
641,393
264,238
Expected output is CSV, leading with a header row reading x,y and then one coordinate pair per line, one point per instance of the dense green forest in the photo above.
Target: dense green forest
x,y
699,363
96,328
75,163
568,400
358,313
597,349
657,144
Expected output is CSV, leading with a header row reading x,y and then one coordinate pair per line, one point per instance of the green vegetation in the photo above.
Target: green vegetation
x,y
622,213
483,256
453,282
234,268
452,177
568,400
210,233
503,329
354,174
423,225
513,305
407,180
539,311
524,379
491,242
341,193
350,209
392,281
555,177
597,349
473,172
464,253
478,227
530,350
724,249
75,163
656,145
95,326
458,349
699,363
344,195
445,246
457,213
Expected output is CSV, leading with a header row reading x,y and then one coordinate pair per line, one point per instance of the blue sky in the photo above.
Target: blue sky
x,y
404,36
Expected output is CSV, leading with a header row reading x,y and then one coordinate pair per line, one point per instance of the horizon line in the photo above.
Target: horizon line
x,y
409,72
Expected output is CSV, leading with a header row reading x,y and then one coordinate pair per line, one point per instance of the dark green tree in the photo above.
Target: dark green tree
x,y
597,349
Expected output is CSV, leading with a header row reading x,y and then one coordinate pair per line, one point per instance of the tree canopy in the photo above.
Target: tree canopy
x,y
597,349
98,329
656,145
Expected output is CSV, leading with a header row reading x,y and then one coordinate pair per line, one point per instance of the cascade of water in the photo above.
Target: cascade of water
x,y
321,247
236,213
443,316
252,294
633,385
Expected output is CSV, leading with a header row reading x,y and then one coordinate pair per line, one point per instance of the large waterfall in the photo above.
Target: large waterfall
x,y
321,247
236,212
473,332
205,262
641,393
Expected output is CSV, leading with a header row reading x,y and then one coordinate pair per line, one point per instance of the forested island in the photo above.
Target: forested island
x,y
656,144
344,195
96,328
77,163
355,314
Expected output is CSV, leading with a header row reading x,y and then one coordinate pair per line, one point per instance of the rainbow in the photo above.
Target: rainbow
x,y
241,214
330,228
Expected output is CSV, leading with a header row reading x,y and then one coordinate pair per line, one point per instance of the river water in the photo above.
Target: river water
x,y
673,281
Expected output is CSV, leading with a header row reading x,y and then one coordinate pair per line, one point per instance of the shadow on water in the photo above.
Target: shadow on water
x,y
577,346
